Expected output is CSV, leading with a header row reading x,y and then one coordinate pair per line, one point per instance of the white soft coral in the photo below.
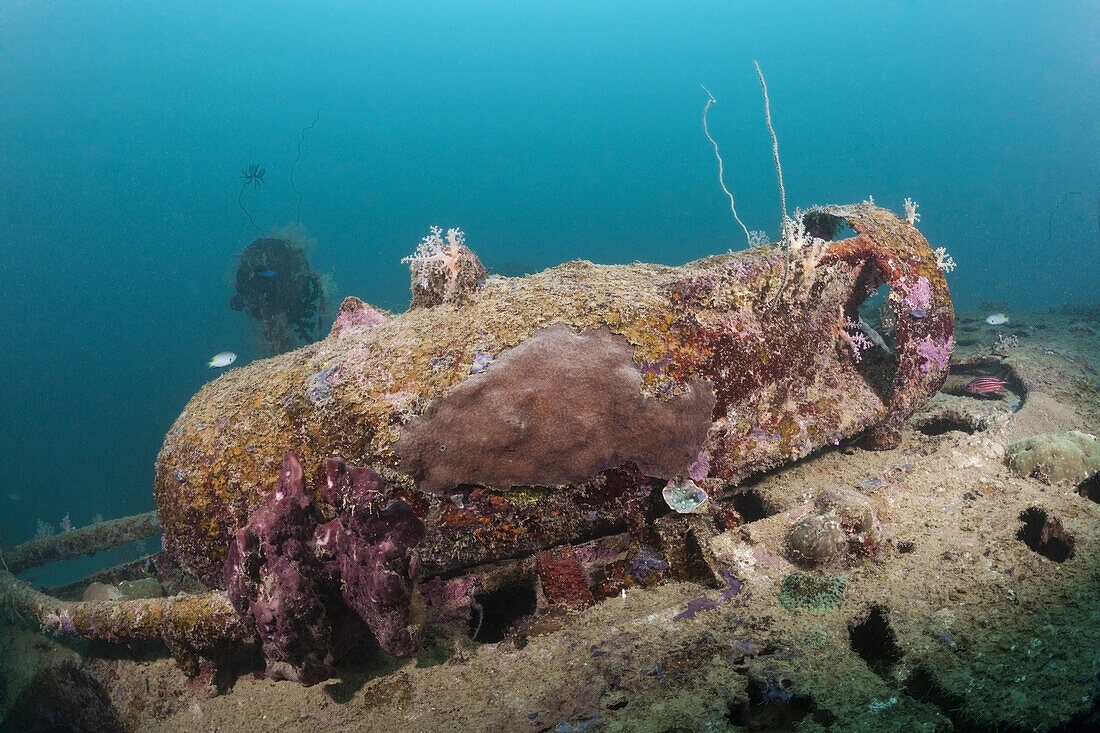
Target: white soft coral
x,y
443,269
434,254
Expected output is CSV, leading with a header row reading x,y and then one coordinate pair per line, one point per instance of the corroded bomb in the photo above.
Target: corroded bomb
x,y
556,401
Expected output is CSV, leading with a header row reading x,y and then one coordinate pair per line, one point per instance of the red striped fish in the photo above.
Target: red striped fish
x,y
985,386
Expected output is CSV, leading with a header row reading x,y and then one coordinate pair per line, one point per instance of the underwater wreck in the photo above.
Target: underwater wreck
x,y
545,431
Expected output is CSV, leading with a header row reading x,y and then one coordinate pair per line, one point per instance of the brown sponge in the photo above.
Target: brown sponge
x,y
556,409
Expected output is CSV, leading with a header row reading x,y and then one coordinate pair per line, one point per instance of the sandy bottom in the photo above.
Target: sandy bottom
x,y
980,609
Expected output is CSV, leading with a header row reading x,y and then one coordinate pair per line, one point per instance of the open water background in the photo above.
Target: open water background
x,y
547,131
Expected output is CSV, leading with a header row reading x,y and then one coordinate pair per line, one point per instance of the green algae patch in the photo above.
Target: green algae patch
x,y
816,639
809,592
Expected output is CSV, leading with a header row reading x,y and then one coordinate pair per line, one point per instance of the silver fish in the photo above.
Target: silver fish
x,y
222,359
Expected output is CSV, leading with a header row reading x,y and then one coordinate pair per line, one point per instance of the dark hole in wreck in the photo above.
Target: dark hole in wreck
x,y
496,613
1045,535
869,309
1090,488
874,640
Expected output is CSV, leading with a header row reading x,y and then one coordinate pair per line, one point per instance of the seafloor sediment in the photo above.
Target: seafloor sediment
x,y
979,611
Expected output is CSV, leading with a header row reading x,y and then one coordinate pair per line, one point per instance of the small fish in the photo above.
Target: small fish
x,y
996,319
985,386
266,273
223,359
875,336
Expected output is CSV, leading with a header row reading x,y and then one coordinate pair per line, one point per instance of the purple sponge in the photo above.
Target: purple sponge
x,y
308,587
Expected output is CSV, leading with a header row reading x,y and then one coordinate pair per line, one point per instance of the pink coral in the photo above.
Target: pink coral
x,y
935,355
853,336
918,297
701,468
354,313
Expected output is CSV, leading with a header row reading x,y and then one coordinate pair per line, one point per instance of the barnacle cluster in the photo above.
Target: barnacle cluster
x,y
816,539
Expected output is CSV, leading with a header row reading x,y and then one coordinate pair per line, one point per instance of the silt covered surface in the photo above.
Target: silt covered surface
x,y
958,623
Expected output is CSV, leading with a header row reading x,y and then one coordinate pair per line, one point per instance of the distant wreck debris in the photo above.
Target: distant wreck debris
x,y
280,292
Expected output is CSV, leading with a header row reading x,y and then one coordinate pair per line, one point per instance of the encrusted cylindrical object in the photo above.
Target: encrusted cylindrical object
x,y
542,410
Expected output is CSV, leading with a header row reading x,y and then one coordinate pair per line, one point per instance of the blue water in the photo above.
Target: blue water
x,y
546,131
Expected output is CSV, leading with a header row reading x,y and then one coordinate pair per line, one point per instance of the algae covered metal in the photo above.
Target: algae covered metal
x,y
524,389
